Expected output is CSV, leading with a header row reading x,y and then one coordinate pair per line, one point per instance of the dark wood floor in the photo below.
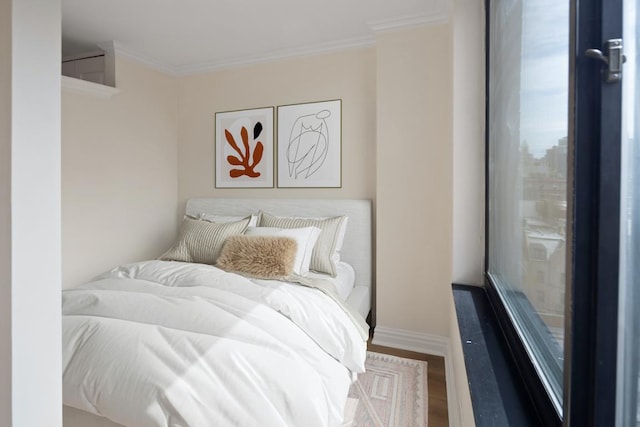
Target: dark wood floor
x,y
438,414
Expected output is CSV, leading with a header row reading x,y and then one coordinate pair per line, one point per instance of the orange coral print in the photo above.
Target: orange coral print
x,y
247,161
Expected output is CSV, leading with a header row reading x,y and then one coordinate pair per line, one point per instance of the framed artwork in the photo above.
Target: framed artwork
x,y
310,145
244,149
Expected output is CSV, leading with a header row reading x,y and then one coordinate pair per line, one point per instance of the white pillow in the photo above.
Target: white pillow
x,y
326,253
305,237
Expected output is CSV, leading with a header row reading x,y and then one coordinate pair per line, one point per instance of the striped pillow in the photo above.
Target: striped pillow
x,y
326,253
202,241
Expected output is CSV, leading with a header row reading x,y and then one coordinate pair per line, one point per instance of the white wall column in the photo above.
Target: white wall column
x,y
30,330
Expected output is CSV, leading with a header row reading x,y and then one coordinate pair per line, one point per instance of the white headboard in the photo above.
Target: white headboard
x,y
357,247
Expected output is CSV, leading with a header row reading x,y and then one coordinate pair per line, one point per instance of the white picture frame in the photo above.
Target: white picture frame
x,y
310,145
244,148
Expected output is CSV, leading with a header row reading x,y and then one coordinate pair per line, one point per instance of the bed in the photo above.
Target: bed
x,y
180,342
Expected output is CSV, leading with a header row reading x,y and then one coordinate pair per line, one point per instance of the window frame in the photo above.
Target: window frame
x,y
591,293
592,366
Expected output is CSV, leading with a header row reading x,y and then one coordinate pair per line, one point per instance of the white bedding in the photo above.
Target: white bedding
x,y
166,343
343,282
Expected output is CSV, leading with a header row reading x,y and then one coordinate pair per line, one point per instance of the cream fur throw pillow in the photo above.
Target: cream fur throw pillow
x,y
262,257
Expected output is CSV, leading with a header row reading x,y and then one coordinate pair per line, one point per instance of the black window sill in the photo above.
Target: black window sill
x,y
498,393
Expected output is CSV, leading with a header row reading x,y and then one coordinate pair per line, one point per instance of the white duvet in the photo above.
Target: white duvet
x,y
174,344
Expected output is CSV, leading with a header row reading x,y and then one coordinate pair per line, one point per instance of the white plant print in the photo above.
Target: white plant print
x,y
244,148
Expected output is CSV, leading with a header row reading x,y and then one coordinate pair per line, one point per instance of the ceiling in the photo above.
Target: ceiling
x,y
187,36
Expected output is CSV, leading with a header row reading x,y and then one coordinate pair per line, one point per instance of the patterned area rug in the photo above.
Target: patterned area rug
x,y
392,393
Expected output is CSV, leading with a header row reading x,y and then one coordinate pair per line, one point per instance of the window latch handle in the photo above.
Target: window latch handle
x,y
597,54
614,60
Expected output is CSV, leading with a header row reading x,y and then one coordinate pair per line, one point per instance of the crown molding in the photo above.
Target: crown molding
x,y
438,13
118,49
277,55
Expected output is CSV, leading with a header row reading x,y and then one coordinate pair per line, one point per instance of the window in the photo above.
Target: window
x,y
528,129
563,203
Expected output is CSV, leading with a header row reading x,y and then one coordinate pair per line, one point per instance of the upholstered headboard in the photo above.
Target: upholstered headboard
x,y
357,247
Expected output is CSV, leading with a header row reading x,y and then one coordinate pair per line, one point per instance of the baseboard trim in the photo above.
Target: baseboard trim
x,y
428,344
412,341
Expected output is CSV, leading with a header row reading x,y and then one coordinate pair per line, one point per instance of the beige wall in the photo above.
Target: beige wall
x,y
348,75
414,180
119,171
